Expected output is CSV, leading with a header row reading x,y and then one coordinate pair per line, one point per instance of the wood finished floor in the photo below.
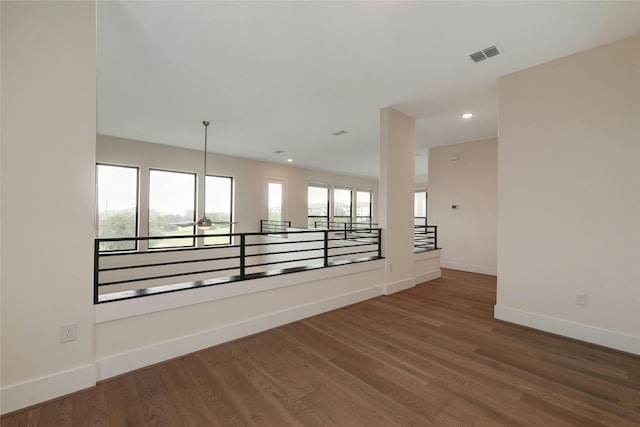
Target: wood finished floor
x,y
432,355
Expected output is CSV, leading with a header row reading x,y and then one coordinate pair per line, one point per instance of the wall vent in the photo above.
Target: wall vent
x,y
483,54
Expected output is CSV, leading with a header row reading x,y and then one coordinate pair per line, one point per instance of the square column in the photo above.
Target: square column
x,y
395,201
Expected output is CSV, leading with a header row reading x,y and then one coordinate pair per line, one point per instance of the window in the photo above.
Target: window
x,y
363,207
420,207
219,209
172,198
341,205
117,199
317,207
275,201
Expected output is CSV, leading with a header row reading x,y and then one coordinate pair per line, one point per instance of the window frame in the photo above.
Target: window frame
x,y
426,200
136,246
334,217
231,203
370,216
283,203
195,207
319,217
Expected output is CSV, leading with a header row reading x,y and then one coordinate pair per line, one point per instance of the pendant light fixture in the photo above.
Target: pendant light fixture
x,y
204,223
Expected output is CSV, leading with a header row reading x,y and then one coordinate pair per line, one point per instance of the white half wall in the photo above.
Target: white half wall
x,y
569,196
465,175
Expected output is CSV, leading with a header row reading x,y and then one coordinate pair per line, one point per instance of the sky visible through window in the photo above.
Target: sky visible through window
x,y
117,188
274,202
218,197
171,192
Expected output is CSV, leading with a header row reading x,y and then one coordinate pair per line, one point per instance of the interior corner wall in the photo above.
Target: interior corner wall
x,y
48,156
569,196
465,175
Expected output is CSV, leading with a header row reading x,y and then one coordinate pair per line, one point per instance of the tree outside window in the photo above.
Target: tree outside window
x,y
117,205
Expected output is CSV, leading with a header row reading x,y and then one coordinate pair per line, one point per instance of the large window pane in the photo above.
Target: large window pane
x,y
317,206
218,208
117,198
341,205
363,207
275,201
171,205
420,208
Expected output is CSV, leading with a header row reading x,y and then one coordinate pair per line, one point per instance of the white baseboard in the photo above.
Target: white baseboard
x,y
430,275
471,268
399,286
579,331
139,358
41,389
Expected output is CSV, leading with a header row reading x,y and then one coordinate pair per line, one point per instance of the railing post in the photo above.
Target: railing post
x,y
326,248
242,255
96,267
345,231
379,243
435,240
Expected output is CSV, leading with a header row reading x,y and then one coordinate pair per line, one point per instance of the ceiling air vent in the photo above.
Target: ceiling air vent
x,y
483,54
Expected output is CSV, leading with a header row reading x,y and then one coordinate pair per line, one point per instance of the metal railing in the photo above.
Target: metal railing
x,y
339,225
272,226
425,238
132,274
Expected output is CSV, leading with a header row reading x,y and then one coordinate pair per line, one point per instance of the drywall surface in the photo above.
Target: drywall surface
x,y
465,176
48,157
396,201
569,196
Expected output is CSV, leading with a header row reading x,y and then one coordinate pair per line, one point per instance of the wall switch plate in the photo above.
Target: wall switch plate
x,y
68,332
581,298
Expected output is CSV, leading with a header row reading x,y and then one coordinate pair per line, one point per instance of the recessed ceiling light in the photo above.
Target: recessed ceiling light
x,y
289,160
467,115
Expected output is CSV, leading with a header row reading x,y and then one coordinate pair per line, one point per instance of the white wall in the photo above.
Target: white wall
x,y
569,196
48,196
48,156
468,234
249,178
396,201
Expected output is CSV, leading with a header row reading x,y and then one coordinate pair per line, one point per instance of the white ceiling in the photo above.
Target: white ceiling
x,y
285,75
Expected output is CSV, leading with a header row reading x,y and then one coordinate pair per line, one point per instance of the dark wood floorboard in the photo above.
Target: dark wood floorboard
x,y
429,356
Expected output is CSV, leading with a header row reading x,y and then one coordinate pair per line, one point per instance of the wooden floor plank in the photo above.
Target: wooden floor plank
x,y
429,356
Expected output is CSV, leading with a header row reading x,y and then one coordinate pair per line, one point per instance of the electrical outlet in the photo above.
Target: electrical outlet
x,y
68,332
581,298
390,268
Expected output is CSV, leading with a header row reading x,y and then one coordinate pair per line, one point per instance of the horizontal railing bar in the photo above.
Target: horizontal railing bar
x,y
160,264
284,262
290,242
284,252
353,253
201,236
156,251
166,276
353,246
